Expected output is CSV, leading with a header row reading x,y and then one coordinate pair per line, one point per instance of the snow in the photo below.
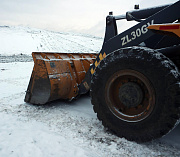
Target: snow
x,y
30,138
26,40
61,128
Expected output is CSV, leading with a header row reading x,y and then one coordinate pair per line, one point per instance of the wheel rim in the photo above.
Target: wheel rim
x,y
130,95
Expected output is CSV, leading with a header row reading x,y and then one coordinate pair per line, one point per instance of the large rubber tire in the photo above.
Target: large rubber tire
x,y
155,80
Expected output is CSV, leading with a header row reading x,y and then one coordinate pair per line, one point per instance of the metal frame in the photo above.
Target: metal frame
x,y
133,36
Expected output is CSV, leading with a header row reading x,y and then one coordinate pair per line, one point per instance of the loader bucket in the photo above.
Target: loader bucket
x,y
57,76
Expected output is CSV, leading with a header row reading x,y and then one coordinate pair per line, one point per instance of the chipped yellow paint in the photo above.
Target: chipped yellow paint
x,y
104,55
92,71
101,57
97,63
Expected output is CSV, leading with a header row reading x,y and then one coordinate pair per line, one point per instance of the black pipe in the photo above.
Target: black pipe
x,y
170,51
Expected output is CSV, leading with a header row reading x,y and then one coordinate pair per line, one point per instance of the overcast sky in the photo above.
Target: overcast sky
x,y
82,16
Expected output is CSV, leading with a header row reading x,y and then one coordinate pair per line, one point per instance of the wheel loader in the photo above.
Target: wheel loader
x,y
134,81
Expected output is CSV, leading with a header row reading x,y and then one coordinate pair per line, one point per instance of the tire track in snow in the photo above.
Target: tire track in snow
x,y
77,125
89,130
77,44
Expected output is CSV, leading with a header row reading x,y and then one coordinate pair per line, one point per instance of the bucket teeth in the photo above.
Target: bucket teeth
x,y
57,76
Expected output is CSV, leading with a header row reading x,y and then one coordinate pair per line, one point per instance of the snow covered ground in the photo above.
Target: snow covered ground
x,y
17,40
61,128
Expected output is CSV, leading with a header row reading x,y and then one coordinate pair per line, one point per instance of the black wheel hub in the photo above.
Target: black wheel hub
x,y
130,94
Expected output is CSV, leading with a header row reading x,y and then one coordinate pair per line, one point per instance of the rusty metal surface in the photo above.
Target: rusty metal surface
x,y
57,76
127,111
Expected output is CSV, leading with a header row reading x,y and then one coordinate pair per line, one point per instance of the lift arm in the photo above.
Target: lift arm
x,y
131,37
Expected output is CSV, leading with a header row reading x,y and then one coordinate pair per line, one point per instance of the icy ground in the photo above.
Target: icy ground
x,y
61,128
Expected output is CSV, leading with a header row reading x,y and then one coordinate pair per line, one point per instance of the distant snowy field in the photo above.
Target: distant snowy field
x,y
60,129
16,40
